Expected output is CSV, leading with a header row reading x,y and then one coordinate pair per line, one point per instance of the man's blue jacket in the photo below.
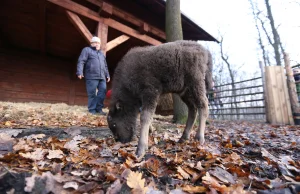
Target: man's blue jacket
x,y
92,64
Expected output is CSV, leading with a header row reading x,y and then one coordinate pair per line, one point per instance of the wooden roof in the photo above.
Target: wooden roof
x,y
153,12
42,26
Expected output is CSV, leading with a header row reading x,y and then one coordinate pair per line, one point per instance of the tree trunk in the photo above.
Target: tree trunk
x,y
173,33
276,43
165,105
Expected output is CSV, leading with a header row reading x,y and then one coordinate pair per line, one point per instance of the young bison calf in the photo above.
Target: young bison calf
x,y
144,73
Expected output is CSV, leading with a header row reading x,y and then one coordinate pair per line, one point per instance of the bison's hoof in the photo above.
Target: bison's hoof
x,y
182,140
141,149
200,139
140,153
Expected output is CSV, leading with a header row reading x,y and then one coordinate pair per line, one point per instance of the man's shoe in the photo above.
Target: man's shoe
x,y
101,113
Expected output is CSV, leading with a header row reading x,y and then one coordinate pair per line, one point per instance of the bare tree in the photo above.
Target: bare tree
x,y
260,40
265,23
276,38
173,33
231,74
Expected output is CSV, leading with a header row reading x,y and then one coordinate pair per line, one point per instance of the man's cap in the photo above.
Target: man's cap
x,y
95,39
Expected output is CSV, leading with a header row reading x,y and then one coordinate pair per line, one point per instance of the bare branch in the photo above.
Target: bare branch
x,y
256,15
275,34
231,72
265,30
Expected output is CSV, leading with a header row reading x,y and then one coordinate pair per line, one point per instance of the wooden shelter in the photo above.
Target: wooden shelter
x,y
40,41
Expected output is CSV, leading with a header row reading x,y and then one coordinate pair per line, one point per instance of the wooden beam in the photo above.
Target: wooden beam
x,y
79,9
115,42
106,10
101,32
42,25
127,30
76,21
128,17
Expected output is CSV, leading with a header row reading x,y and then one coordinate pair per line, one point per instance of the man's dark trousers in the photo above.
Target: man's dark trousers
x,y
95,102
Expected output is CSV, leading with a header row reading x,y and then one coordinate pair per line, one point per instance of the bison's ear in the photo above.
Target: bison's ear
x,y
118,105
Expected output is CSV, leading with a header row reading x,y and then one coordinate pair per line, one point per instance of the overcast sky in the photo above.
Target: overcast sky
x,y
233,18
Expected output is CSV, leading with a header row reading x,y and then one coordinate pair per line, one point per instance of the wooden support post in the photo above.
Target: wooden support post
x,y
291,84
262,69
76,21
117,41
144,28
279,106
101,32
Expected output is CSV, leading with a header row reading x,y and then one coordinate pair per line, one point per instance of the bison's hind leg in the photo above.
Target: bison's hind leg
x,y
203,115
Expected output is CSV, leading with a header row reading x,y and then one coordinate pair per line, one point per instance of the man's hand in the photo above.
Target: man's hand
x,y
80,76
107,79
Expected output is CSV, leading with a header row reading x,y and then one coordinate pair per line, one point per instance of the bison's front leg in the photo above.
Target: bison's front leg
x,y
189,124
146,119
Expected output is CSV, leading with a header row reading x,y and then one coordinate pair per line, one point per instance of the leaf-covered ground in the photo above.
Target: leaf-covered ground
x,y
238,157
28,115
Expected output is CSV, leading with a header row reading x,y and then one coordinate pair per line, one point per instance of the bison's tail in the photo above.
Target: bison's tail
x,y
208,74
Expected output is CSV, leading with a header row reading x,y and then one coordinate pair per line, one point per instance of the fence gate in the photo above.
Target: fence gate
x,y
242,100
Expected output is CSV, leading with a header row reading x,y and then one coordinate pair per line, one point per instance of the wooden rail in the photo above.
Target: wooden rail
x,y
248,107
239,82
219,91
249,94
255,100
255,113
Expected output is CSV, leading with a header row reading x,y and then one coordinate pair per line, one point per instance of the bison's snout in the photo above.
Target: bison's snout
x,y
125,135
122,140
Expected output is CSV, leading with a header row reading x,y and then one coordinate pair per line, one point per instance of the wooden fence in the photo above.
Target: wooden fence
x,y
271,97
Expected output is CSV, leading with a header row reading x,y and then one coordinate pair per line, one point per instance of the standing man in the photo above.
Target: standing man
x,y
92,65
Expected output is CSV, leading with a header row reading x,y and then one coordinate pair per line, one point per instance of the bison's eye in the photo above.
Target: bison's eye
x,y
114,125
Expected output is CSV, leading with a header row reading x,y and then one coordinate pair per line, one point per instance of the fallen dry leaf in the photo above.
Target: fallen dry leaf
x,y
194,189
35,136
72,145
222,175
38,154
183,173
73,185
135,181
266,154
114,188
55,154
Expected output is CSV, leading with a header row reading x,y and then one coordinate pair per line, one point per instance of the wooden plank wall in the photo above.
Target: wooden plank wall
x,y
27,77
279,107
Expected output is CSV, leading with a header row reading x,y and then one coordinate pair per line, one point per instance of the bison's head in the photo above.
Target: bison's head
x,y
122,121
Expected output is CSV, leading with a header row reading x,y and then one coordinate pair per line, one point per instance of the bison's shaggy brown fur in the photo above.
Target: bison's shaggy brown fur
x,y
144,73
